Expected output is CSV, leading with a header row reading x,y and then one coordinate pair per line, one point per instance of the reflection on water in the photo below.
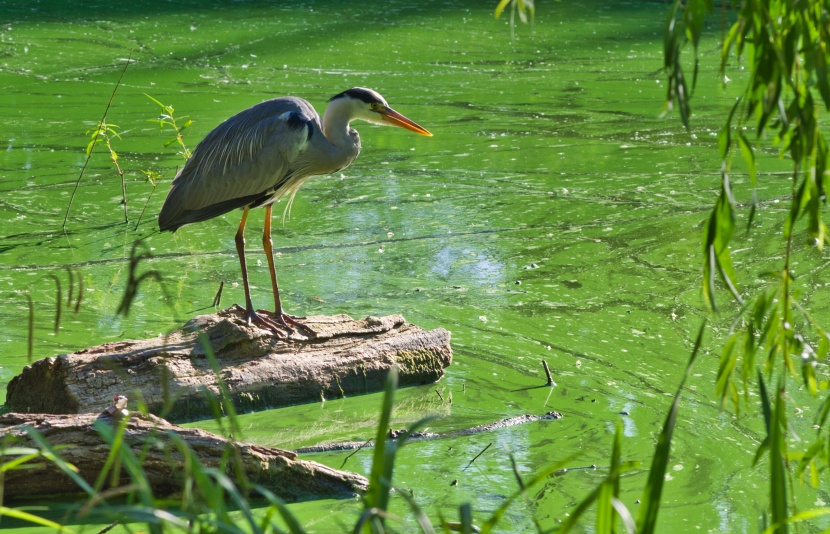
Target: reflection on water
x,y
466,263
553,216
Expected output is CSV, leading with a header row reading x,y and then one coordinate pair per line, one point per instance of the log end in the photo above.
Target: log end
x,y
41,388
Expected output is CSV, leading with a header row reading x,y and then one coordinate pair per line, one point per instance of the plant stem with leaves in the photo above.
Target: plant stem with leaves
x,y
167,119
104,134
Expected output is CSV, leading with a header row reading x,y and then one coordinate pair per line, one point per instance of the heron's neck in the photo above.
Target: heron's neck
x,y
336,123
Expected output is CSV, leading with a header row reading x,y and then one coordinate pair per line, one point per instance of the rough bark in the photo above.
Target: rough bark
x,y
163,463
170,374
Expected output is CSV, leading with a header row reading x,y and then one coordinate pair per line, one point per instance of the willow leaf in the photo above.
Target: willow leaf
x,y
778,467
728,361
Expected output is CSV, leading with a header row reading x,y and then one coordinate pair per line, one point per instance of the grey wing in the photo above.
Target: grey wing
x,y
242,161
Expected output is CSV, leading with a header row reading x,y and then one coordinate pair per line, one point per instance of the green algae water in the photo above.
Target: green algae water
x,y
554,215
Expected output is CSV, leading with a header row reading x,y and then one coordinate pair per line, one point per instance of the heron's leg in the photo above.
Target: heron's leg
x,y
268,246
250,315
240,250
280,317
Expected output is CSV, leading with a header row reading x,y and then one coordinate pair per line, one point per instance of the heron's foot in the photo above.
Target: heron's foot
x,y
290,322
282,331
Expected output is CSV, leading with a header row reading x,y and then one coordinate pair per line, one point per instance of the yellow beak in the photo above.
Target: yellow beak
x,y
396,119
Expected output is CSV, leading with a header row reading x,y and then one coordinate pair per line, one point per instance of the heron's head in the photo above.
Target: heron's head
x,y
368,105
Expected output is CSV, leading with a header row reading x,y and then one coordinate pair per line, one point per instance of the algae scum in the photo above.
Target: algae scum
x,y
554,215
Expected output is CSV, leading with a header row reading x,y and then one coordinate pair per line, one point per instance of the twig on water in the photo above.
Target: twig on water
x,y
101,124
440,396
547,373
218,298
482,452
346,459
109,527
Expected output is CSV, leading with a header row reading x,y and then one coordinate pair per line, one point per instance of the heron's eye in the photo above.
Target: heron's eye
x,y
377,107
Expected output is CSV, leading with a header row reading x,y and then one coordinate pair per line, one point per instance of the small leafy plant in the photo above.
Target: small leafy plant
x,y
525,9
104,133
167,119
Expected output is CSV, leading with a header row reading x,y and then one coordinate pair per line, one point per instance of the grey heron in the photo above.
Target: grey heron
x,y
263,154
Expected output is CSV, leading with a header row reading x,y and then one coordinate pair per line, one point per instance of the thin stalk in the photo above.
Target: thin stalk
x,y
145,204
100,124
58,302
120,173
482,452
71,285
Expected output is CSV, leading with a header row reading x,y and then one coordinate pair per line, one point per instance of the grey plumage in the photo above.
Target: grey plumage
x,y
253,158
263,154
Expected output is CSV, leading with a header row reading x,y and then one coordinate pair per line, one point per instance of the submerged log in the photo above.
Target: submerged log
x,y
419,436
162,461
170,374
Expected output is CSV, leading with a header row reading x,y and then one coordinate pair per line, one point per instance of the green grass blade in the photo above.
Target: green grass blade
x,y
576,513
157,519
380,481
227,403
465,511
650,501
542,475
70,470
294,526
212,493
241,502
112,457
23,454
31,518
420,516
801,516
134,469
625,515
610,488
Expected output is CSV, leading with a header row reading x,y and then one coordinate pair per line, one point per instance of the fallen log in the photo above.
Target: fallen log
x,y
152,439
169,374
